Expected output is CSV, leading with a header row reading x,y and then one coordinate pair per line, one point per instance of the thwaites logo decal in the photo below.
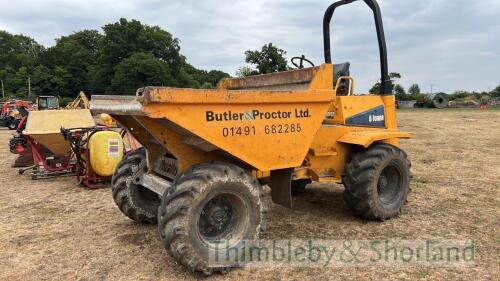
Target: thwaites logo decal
x,y
374,117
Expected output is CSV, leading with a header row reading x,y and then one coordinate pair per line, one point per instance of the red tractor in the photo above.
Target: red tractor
x,y
10,115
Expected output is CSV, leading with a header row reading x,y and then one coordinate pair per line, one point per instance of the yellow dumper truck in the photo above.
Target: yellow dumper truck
x,y
207,153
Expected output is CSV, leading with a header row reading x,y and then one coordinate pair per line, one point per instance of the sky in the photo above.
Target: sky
x,y
448,45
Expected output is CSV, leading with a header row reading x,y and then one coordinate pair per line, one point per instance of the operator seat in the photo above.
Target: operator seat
x,y
339,70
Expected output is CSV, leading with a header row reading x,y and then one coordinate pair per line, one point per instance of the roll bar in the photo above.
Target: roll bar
x,y
386,83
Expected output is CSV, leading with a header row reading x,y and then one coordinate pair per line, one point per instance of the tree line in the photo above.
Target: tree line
x,y
271,59
415,93
127,55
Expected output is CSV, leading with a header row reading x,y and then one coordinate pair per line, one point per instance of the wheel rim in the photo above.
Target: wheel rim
x,y
223,217
389,184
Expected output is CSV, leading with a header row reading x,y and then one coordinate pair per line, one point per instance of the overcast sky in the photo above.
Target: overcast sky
x,y
450,44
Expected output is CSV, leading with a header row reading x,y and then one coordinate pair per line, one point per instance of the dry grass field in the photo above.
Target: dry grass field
x,y
55,230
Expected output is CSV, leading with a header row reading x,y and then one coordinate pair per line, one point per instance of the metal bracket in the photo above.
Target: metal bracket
x,y
281,190
152,182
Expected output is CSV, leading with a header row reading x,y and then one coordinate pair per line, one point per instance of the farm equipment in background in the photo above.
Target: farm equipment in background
x,y
65,143
10,115
287,129
20,143
47,103
13,112
81,102
97,151
485,100
466,102
50,153
438,100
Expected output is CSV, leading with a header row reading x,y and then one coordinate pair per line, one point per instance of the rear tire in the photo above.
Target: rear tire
x,y
377,181
208,203
135,201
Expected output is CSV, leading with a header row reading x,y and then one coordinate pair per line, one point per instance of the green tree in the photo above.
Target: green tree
x,y
59,81
41,79
394,76
140,70
414,90
207,85
399,92
90,40
19,54
375,89
201,77
186,79
89,61
268,60
20,81
214,76
496,92
125,38
18,51
245,71
9,85
77,54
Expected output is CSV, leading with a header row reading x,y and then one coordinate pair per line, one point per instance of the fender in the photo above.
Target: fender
x,y
366,138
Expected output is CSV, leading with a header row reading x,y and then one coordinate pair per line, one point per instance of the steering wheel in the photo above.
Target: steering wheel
x,y
301,63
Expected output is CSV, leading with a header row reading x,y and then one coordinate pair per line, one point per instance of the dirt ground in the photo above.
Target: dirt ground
x,y
55,230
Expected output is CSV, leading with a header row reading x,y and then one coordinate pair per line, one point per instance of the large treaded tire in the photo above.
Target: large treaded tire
x,y
377,181
184,206
135,201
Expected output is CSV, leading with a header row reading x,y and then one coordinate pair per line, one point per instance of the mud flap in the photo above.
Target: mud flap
x,y
281,181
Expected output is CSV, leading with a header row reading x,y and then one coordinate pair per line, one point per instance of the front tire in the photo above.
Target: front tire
x,y
210,203
12,125
377,182
135,201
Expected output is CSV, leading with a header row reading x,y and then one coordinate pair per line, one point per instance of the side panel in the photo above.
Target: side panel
x,y
356,111
365,138
268,136
159,139
327,156
366,112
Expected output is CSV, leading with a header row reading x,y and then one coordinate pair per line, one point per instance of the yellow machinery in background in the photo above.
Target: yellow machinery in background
x,y
207,153
81,101
47,103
